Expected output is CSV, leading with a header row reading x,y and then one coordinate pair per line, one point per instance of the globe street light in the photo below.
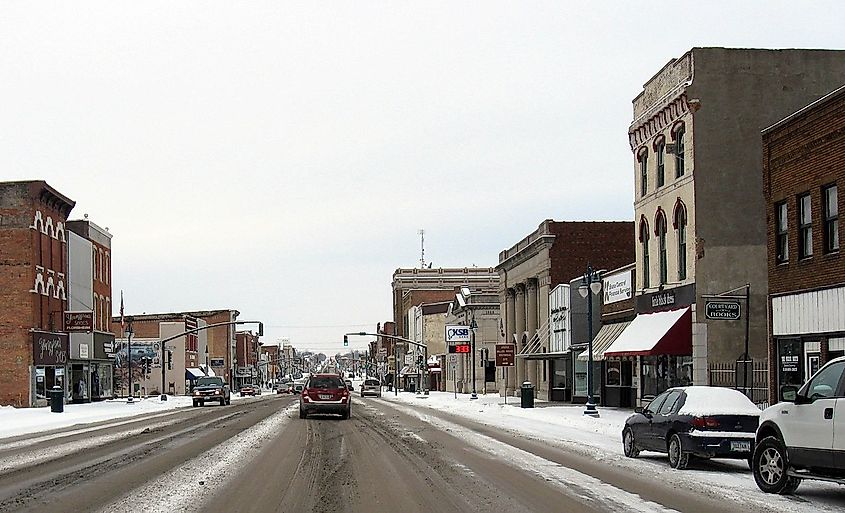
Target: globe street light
x,y
591,282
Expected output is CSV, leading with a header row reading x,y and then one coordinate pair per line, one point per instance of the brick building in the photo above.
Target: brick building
x,y
701,232
247,348
555,253
803,165
90,301
34,348
413,287
189,352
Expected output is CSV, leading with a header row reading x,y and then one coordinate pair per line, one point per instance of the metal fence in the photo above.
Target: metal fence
x,y
730,375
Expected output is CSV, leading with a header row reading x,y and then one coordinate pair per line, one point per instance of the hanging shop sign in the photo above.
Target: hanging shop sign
x,y
722,310
79,321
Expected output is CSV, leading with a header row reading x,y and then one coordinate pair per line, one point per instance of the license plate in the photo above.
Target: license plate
x,y
325,397
741,446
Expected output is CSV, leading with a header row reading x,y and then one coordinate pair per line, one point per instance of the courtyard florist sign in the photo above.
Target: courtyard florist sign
x,y
618,287
457,334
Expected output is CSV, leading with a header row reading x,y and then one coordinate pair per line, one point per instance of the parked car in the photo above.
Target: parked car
x,y
250,389
283,388
325,393
700,421
371,387
211,388
802,437
349,384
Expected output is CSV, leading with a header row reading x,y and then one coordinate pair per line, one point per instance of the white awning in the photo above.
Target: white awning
x,y
606,336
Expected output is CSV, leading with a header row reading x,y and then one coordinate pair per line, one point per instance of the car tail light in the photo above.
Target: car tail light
x,y
705,422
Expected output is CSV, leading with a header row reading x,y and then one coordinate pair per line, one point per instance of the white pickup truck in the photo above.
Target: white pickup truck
x,y
803,437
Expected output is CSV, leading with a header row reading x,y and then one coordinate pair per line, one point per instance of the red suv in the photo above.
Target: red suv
x,y
325,393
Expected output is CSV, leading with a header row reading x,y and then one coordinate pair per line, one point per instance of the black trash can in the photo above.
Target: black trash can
x,y
57,400
527,395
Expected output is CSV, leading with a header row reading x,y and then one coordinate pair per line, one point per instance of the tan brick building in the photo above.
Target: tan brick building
x,y
803,166
700,214
34,349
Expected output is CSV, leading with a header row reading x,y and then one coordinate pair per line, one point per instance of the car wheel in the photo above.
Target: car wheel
x,y
302,413
222,402
771,468
629,445
678,459
196,403
347,413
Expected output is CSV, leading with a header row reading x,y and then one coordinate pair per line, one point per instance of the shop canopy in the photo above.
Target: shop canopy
x,y
192,373
606,336
661,333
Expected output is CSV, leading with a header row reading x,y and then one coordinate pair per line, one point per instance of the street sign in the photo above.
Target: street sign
x,y
722,310
505,355
457,334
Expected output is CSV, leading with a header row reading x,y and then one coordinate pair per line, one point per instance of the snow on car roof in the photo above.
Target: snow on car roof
x,y
702,400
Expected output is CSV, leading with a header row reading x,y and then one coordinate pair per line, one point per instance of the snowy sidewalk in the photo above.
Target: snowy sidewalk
x,y
565,426
24,421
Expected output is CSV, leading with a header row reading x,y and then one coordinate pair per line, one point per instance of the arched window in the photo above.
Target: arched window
x,y
660,153
107,270
660,232
100,264
680,224
678,134
642,157
96,311
644,236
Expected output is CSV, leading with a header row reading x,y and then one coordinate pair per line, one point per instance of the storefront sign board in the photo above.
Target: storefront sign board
x,y
50,348
722,310
618,287
79,321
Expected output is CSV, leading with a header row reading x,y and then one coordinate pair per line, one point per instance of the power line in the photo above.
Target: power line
x,y
309,326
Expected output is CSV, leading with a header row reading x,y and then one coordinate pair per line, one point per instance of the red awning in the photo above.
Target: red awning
x,y
661,333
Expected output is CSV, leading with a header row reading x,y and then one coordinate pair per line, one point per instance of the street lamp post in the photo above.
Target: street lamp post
x,y
474,327
591,282
128,333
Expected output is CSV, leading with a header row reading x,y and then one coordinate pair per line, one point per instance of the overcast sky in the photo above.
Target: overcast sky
x,y
279,158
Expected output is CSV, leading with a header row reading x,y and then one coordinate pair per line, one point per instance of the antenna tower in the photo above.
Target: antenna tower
x,y
421,233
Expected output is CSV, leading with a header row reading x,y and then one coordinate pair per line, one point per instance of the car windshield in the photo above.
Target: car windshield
x,y
371,382
211,380
326,382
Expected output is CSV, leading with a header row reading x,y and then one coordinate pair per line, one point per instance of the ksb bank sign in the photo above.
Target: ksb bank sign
x,y
457,334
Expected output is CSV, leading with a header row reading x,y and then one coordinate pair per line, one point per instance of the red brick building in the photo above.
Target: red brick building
x,y
803,166
34,348
247,347
555,253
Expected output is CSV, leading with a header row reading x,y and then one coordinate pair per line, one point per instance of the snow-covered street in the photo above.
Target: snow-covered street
x,y
566,427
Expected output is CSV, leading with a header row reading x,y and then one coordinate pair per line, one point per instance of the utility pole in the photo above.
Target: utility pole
x,y
421,233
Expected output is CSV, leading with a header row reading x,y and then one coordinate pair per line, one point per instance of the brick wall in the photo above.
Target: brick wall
x,y
22,248
604,245
802,156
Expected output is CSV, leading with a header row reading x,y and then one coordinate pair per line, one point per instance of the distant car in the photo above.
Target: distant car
x,y
298,387
283,388
701,421
371,387
250,389
349,384
211,388
325,393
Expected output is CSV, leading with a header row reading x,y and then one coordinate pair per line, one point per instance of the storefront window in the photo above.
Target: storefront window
x,y
580,378
662,372
614,373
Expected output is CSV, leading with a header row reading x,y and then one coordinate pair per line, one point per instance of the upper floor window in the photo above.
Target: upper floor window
x,y
660,150
679,152
681,226
831,218
805,227
781,233
661,240
644,243
643,157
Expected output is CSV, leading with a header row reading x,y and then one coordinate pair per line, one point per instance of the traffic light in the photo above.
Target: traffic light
x,y
345,341
169,359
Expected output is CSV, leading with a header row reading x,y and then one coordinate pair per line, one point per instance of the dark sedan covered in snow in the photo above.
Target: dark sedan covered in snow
x,y
700,421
